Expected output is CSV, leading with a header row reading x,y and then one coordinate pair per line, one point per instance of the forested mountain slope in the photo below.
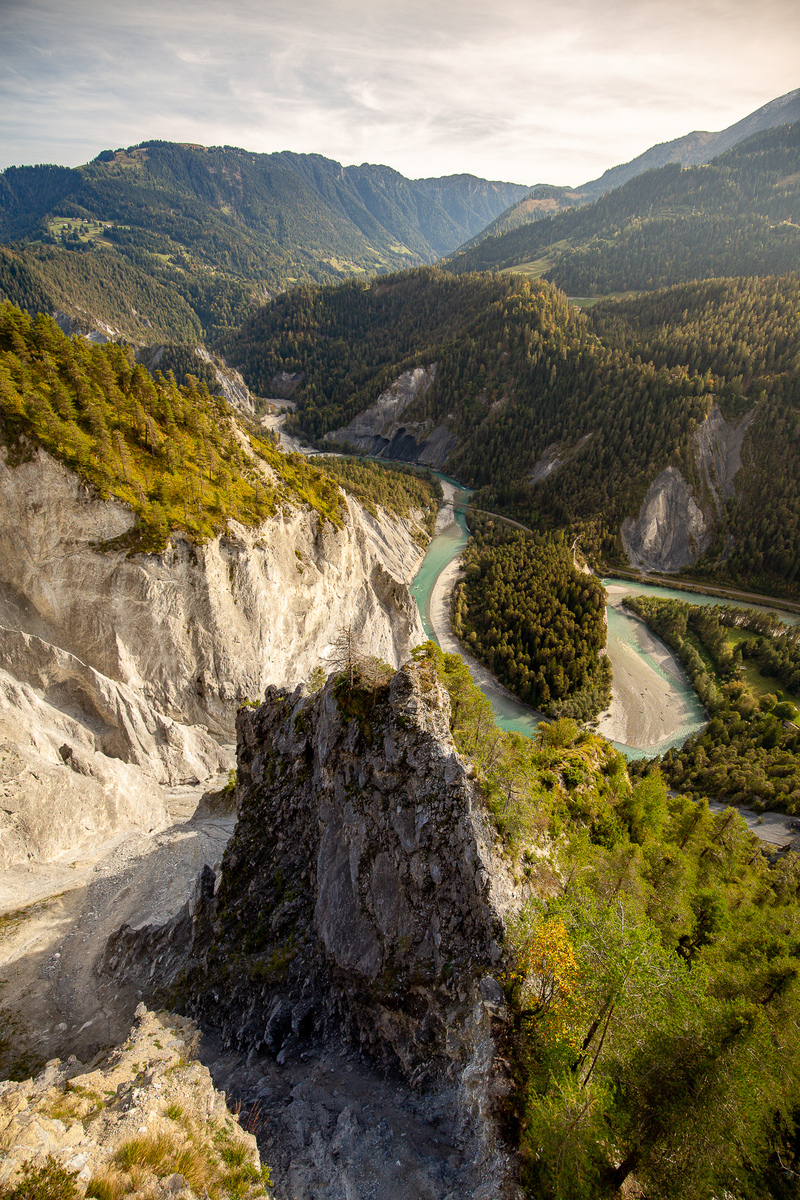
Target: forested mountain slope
x,y
563,419
166,240
175,455
738,215
693,149
744,334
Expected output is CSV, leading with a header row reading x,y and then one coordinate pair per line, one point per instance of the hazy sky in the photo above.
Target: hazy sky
x,y
524,90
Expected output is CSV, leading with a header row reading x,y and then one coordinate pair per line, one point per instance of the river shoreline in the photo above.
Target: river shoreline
x,y
653,706
727,595
440,603
646,707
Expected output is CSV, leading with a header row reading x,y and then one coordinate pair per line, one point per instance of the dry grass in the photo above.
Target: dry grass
x,y
164,1155
106,1185
222,1167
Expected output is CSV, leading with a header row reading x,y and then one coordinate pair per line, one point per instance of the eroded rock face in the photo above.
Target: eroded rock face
x,y
197,630
718,445
675,525
121,675
361,892
150,1088
671,530
381,431
233,386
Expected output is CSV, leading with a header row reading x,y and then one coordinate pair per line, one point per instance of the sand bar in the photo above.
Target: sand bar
x,y
646,707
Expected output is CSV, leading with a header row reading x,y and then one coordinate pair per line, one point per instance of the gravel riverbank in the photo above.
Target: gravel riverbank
x,y
646,707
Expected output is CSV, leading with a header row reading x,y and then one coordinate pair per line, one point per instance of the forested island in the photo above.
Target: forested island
x,y
537,622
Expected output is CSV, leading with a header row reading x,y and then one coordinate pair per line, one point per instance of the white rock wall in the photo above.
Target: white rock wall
x,y
674,526
119,675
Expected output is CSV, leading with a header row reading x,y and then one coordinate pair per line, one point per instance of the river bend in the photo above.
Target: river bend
x,y
653,705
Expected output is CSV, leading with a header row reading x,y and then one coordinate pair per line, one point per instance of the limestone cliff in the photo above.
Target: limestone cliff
x,y
381,431
361,892
677,521
121,674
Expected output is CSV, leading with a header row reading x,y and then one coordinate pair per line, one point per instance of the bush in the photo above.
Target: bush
x,y
48,1182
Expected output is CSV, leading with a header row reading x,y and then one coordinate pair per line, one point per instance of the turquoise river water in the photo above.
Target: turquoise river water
x,y
623,630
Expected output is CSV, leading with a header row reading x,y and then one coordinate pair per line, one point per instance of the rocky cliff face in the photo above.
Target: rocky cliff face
x,y
122,674
233,386
361,892
676,523
671,530
145,1118
381,431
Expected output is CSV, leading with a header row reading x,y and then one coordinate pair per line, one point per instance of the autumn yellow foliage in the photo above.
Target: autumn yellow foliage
x,y
546,978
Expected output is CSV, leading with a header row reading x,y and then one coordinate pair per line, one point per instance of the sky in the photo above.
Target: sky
x,y
530,91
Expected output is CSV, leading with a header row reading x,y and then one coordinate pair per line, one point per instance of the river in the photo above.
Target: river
x,y
653,705
431,588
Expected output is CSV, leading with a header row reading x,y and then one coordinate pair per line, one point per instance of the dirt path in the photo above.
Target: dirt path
x,y
496,516
58,918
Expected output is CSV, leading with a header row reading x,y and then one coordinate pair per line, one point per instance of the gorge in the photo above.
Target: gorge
x,y
436,946
122,674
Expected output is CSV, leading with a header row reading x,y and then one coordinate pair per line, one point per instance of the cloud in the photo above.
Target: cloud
x,y
533,90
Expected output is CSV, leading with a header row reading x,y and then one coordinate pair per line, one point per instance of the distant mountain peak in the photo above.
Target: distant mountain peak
x,y
699,146
692,149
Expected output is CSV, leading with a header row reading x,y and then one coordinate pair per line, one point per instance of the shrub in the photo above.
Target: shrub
x,y
48,1182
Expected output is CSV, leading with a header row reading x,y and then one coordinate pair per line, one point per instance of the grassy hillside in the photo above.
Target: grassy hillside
x,y
738,215
165,241
692,149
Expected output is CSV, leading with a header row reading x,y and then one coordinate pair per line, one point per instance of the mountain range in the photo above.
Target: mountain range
x,y
737,215
178,242
173,241
693,149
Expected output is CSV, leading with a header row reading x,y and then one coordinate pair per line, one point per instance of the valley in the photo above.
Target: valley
x,y
180,242
653,707
354,744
